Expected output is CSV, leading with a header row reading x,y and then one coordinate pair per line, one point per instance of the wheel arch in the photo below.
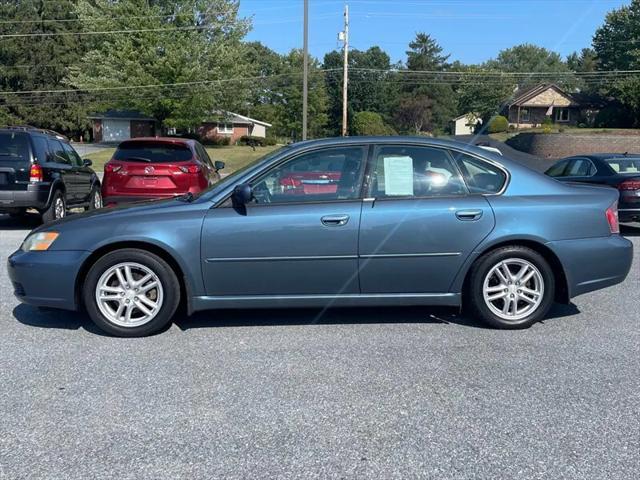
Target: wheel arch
x,y
165,255
562,294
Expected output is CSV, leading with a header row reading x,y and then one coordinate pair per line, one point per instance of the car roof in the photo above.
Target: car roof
x,y
35,131
605,156
169,140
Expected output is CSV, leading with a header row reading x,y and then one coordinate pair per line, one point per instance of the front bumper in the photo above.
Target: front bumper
x,y
594,263
36,196
46,279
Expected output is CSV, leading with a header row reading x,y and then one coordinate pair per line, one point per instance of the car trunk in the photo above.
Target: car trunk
x,y
145,178
15,160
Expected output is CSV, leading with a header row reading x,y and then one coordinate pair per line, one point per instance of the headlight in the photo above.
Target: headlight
x,y
39,242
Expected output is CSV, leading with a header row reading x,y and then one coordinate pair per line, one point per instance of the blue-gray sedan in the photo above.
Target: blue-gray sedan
x,y
337,222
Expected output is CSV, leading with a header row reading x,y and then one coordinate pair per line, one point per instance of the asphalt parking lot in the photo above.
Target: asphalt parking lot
x,y
371,393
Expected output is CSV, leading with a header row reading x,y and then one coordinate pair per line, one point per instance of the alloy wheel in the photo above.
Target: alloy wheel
x,y
97,200
59,208
513,289
129,294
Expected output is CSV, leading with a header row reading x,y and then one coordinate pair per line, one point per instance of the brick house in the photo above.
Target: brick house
x,y
530,106
119,125
232,126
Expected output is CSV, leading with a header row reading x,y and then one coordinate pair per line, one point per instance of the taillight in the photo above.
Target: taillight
x,y
629,185
35,173
191,168
612,218
112,168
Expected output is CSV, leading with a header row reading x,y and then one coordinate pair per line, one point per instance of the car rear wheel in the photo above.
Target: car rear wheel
x,y
57,209
511,287
131,293
95,200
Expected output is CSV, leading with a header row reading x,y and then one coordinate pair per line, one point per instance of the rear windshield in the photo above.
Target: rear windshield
x,y
14,146
629,166
156,152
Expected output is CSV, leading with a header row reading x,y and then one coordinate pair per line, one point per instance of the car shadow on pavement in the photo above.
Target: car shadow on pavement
x,y
630,230
347,316
65,320
25,222
54,319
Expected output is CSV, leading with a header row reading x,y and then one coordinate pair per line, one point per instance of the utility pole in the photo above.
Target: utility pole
x,y
344,36
305,75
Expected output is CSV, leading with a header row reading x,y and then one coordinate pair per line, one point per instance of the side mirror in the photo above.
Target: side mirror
x,y
218,165
87,163
242,195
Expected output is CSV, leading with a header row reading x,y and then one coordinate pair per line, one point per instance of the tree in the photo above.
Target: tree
x,y
184,60
617,44
40,62
370,123
414,114
584,62
426,54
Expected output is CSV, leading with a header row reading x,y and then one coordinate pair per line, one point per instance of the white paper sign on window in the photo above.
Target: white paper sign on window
x,y
398,175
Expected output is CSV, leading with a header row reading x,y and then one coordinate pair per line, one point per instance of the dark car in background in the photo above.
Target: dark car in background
x,y
620,171
40,170
410,221
156,168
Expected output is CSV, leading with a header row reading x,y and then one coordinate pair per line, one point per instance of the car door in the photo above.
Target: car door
x,y
82,175
60,162
420,221
298,237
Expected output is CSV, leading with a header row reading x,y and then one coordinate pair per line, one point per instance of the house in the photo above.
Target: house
x,y
465,124
531,106
119,125
231,125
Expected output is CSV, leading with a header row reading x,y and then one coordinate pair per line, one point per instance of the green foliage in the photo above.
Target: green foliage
x,y
179,43
252,141
547,121
41,63
616,44
498,124
370,123
414,114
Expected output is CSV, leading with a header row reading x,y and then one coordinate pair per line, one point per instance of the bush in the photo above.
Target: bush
x,y
498,124
547,121
270,141
370,123
217,141
252,141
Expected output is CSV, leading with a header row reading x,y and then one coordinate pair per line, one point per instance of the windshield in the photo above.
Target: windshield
x,y
152,152
625,166
232,176
14,146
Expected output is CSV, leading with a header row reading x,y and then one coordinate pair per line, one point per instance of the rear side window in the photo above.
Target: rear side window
x,y
14,146
40,146
153,152
581,167
411,171
480,176
558,169
56,150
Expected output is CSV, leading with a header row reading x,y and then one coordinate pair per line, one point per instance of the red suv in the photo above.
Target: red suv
x,y
155,168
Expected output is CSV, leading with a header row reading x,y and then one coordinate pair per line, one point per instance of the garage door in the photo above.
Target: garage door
x,y
116,130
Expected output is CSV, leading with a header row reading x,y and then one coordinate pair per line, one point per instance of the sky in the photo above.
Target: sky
x,y
472,31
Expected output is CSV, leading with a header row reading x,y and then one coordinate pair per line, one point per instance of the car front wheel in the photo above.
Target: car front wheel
x,y
512,287
131,293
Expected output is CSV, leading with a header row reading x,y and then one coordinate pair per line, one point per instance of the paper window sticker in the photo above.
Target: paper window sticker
x,y
398,176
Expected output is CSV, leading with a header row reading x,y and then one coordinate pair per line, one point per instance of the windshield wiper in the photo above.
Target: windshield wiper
x,y
187,197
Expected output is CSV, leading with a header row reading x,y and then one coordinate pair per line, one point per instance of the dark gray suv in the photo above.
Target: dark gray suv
x,y
40,170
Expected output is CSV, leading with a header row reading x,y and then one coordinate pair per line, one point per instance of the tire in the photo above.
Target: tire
x,y
95,199
488,293
57,209
131,321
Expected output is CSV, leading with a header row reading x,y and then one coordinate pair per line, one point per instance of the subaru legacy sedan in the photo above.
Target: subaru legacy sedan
x,y
339,222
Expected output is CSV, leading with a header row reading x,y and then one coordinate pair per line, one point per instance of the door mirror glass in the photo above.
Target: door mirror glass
x,y
242,195
87,162
218,165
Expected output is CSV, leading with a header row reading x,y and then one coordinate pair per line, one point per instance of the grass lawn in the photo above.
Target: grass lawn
x,y
234,157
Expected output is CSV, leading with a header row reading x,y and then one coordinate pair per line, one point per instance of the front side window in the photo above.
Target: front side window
x,y
72,155
324,175
410,171
480,176
558,169
57,153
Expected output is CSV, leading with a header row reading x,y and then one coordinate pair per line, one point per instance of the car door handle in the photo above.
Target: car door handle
x,y
469,215
335,220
